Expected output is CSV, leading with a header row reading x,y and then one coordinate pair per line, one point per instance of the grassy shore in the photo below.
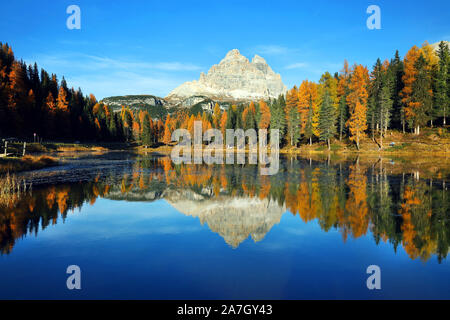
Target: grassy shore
x,y
432,142
11,188
26,163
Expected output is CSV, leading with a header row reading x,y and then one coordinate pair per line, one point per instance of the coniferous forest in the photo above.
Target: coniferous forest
x,y
404,94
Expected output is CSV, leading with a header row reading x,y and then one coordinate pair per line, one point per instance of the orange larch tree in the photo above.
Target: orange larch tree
x,y
357,102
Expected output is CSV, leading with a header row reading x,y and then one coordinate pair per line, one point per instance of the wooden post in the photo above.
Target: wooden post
x,y
24,148
6,147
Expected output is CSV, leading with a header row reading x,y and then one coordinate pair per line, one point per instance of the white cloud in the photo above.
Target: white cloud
x,y
105,76
297,65
272,49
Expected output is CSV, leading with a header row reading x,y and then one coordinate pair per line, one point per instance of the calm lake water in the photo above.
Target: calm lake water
x,y
140,227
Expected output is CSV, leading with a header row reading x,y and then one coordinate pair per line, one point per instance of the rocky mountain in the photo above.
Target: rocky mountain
x,y
235,78
234,218
436,45
156,106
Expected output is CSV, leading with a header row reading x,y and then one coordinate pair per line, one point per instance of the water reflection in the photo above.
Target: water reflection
x,y
392,202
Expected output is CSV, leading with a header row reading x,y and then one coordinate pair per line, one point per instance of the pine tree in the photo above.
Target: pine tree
x,y
309,129
442,98
277,115
421,100
342,91
374,105
293,125
397,71
327,119
146,130
385,102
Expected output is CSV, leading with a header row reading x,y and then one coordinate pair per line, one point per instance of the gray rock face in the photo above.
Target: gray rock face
x,y
134,100
436,45
233,218
235,78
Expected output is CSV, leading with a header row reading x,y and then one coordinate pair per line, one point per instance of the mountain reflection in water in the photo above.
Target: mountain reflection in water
x,y
390,201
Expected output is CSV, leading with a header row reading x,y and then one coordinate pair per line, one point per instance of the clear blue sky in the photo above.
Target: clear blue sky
x,y
150,47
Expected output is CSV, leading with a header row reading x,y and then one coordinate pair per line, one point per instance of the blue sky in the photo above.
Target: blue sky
x,y
150,47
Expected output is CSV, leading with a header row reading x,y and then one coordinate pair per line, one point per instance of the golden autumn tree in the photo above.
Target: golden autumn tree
x,y
357,102
356,205
223,122
264,120
167,138
292,116
308,109
62,106
409,78
217,114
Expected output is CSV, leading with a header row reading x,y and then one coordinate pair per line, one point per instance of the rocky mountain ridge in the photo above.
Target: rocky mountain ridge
x,y
235,78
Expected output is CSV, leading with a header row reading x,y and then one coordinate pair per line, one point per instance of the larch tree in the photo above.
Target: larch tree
x,y
357,101
167,138
409,77
292,116
217,114
264,120
223,122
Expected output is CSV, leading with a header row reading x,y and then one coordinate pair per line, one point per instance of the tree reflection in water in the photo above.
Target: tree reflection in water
x,y
387,200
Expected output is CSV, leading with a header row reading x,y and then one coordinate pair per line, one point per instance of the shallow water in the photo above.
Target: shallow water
x,y
140,227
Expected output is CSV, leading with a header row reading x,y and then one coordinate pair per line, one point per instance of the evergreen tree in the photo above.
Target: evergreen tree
x,y
309,129
277,115
442,98
146,131
293,126
327,119
374,102
421,96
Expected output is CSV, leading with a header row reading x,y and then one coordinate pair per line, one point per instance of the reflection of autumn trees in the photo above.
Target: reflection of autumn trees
x,y
41,208
357,199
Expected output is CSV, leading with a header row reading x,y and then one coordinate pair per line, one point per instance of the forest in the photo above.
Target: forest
x,y
397,94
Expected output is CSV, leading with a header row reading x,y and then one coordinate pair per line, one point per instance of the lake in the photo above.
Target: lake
x,y
140,227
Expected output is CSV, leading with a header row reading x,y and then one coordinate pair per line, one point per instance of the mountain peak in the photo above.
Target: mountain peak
x,y
258,59
235,78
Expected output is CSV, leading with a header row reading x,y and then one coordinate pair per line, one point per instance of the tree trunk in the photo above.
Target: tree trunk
x,y
310,141
357,142
328,142
381,140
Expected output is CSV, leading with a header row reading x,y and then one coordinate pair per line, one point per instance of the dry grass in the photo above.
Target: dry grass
x,y
26,163
11,188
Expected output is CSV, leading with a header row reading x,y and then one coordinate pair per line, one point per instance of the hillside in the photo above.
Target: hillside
x,y
157,107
